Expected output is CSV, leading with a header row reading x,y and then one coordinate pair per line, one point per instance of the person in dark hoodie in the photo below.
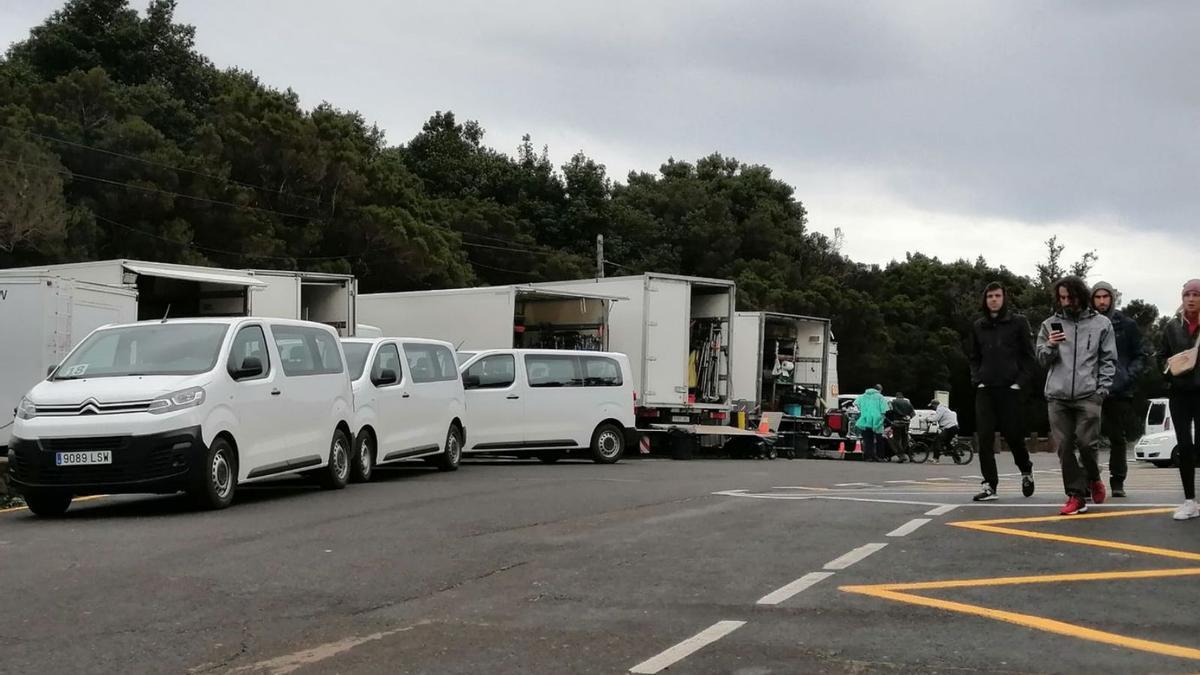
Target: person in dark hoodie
x,y
1001,363
1079,351
1180,334
1116,419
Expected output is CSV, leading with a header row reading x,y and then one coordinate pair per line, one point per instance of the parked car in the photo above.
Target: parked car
x,y
1158,446
408,403
198,405
549,403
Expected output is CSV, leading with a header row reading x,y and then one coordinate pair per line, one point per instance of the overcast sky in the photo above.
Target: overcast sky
x,y
953,128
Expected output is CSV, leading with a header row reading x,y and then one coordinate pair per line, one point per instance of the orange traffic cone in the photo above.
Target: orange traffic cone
x,y
763,427
842,448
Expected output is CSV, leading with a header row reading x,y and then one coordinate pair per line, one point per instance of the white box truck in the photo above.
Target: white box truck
x,y
677,332
494,317
41,318
780,363
190,291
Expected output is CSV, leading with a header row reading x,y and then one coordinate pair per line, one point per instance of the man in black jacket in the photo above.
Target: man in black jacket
x,y
1116,419
1001,362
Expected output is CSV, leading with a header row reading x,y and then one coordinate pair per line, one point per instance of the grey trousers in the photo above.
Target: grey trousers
x,y
1075,426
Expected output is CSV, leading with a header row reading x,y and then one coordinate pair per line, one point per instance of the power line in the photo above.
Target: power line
x,y
113,153
501,269
130,186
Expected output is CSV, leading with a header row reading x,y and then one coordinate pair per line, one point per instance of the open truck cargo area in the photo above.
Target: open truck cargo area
x,y
780,363
494,317
677,332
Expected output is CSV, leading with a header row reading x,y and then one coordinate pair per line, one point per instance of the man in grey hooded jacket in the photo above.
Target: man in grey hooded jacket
x,y
1077,347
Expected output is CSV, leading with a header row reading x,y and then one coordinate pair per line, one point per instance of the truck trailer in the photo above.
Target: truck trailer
x,y
494,317
677,332
780,363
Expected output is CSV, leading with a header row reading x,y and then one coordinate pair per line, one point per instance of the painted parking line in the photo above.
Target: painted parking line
x,y
905,592
941,510
802,584
855,556
686,648
908,528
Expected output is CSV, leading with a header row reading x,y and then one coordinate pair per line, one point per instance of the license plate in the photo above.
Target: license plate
x,y
681,419
83,458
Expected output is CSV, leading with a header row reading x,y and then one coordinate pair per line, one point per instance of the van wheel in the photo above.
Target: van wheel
x,y
363,465
549,456
608,444
48,504
448,460
216,478
336,474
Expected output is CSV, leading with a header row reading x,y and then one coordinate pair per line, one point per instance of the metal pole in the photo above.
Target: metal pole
x,y
599,256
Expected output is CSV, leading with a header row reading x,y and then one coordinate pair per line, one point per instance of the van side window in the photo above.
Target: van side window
x,y
430,363
388,358
250,342
552,371
493,372
306,351
600,371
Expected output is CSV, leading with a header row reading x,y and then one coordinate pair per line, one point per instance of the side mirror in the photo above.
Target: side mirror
x,y
252,366
386,376
50,370
470,381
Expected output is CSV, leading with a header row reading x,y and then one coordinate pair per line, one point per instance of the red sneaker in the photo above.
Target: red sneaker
x,y
1073,506
1098,493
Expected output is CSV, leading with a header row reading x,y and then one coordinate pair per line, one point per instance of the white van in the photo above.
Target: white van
x,y
549,402
1158,446
198,405
408,403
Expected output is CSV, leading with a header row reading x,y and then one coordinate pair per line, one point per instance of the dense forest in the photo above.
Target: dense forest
x,y
119,139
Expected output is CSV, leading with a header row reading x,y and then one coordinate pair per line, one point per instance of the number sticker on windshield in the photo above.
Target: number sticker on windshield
x,y
75,371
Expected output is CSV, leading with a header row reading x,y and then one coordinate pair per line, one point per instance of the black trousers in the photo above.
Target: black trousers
x,y
999,409
1185,411
1116,422
944,438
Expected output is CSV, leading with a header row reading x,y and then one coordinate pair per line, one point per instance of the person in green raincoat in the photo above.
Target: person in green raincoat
x,y
871,407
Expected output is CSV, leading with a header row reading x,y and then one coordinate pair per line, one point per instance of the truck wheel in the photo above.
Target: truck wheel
x,y
336,474
608,444
215,479
449,459
363,465
48,504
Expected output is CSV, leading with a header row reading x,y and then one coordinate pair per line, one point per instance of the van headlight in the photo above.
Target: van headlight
x,y
186,398
26,410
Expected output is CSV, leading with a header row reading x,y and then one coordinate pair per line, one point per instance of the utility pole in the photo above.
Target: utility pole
x,y
599,256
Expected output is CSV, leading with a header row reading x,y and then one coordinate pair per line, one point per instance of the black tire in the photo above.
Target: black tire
x,y
608,443
1160,463
48,503
452,451
919,451
549,456
362,467
215,481
771,452
336,474
964,453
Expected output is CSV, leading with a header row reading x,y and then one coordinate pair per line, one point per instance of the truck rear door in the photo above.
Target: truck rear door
x,y
668,305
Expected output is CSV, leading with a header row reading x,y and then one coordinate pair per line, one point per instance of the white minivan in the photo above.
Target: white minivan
x,y
408,403
1158,446
199,405
549,403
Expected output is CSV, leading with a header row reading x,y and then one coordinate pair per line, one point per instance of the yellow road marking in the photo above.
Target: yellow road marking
x,y
77,499
896,591
1035,622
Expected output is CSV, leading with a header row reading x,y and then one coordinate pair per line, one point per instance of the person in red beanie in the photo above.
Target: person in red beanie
x,y
1180,334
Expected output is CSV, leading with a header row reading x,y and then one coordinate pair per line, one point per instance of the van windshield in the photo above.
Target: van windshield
x,y
148,349
1157,414
356,357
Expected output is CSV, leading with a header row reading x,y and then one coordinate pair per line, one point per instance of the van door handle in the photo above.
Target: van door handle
x,y
512,397
275,392
406,395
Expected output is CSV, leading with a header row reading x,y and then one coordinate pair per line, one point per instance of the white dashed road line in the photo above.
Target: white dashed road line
x,y
686,648
908,528
854,556
941,510
803,583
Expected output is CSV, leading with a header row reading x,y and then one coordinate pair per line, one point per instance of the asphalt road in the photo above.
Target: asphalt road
x,y
650,566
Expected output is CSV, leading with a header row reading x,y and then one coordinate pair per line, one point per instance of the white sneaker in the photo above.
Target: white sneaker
x,y
1187,511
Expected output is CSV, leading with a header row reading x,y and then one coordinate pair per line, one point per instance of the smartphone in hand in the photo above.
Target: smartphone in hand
x,y
1056,326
